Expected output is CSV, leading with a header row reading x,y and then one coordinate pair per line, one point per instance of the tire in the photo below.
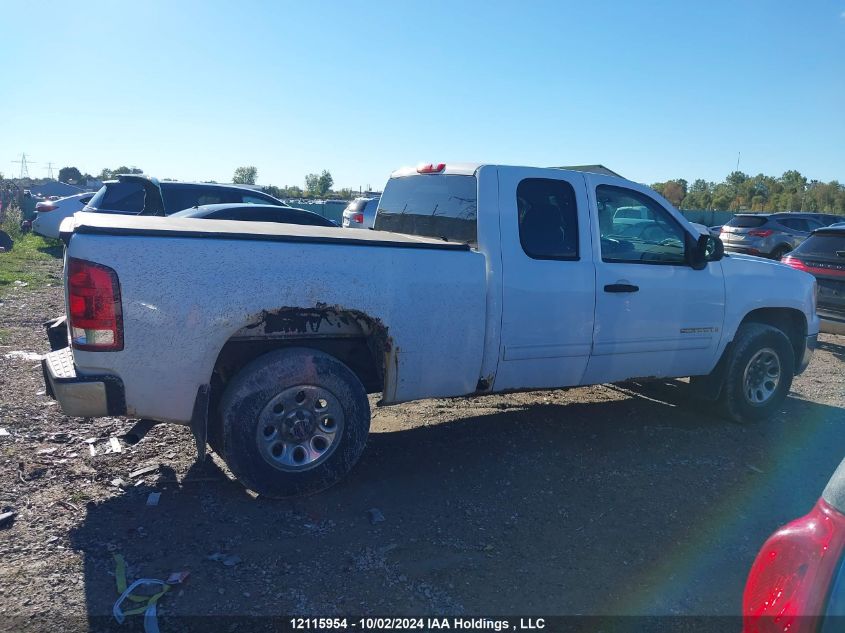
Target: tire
x,y
293,422
751,391
780,251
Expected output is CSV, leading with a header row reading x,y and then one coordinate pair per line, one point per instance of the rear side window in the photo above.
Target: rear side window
x,y
356,206
824,245
120,197
746,222
431,205
548,218
251,198
177,198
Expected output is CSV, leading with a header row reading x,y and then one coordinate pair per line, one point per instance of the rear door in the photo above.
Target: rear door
x,y
548,278
655,315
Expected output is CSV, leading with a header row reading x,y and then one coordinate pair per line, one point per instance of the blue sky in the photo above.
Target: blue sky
x,y
654,90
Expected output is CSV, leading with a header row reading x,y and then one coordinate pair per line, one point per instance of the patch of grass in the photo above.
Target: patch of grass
x,y
30,262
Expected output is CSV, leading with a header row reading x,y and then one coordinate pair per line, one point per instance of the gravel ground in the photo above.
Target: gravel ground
x,y
599,500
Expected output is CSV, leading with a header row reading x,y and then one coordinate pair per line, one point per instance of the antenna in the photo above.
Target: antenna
x,y
737,160
22,161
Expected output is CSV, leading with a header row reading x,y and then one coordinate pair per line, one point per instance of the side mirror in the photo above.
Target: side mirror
x,y
706,249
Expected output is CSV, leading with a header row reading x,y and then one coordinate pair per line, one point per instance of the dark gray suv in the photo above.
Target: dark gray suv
x,y
132,194
770,234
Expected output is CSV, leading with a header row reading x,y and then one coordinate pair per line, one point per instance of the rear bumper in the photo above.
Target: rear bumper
x,y
81,396
809,347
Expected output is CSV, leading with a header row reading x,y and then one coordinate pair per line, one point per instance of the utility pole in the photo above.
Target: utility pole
x,y
23,162
737,160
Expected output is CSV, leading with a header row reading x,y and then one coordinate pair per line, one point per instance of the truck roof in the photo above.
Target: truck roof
x,y
468,169
146,225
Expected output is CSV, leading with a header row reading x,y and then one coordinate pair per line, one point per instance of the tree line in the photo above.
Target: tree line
x,y
741,192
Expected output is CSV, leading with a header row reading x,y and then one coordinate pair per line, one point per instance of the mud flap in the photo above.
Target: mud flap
x,y
199,421
709,387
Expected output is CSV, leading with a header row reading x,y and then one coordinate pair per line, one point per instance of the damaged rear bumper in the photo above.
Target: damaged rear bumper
x,y
81,396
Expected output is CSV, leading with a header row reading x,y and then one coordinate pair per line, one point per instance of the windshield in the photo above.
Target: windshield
x,y
746,221
439,206
119,197
824,245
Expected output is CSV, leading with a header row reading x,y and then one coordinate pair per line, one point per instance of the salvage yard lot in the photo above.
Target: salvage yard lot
x,y
611,499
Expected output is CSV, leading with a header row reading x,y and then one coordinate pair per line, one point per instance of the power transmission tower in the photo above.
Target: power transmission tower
x,y
23,162
50,171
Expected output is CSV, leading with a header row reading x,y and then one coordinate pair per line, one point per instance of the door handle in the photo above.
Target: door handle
x,y
621,288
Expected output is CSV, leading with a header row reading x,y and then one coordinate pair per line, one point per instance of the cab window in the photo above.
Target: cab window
x,y
548,218
649,236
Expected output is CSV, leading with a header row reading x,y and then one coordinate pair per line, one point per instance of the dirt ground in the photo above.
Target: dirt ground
x,y
600,500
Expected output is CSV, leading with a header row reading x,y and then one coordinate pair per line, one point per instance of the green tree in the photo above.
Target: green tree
x,y
70,175
312,184
108,174
325,182
245,175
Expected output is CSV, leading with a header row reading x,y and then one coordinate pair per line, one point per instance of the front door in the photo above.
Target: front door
x,y
655,315
548,279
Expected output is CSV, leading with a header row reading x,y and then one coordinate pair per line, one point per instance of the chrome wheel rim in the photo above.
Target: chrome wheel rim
x,y
299,428
761,377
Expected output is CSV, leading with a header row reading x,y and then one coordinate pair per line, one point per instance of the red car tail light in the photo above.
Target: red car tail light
x,y
822,268
431,168
760,232
43,207
358,218
95,311
794,262
787,587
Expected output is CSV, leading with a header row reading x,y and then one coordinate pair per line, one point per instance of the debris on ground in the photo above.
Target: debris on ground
x,y
229,560
177,577
4,433
153,498
143,471
19,355
149,601
375,515
6,518
115,445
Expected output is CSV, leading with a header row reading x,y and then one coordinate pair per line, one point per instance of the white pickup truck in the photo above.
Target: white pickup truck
x,y
266,339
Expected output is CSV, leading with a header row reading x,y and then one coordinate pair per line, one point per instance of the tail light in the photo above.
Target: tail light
x,y
787,587
760,232
358,218
96,315
795,263
43,207
431,168
815,268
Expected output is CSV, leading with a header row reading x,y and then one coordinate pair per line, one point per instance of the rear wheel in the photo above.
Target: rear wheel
x,y
759,373
293,422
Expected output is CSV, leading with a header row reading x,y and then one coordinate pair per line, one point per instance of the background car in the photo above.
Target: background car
x,y
360,213
823,256
715,231
797,581
143,195
255,213
767,234
49,214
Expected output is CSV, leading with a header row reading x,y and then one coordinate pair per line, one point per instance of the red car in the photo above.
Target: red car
x,y
797,582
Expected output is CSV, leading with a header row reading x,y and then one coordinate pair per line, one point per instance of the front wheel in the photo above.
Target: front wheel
x,y
759,373
294,422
